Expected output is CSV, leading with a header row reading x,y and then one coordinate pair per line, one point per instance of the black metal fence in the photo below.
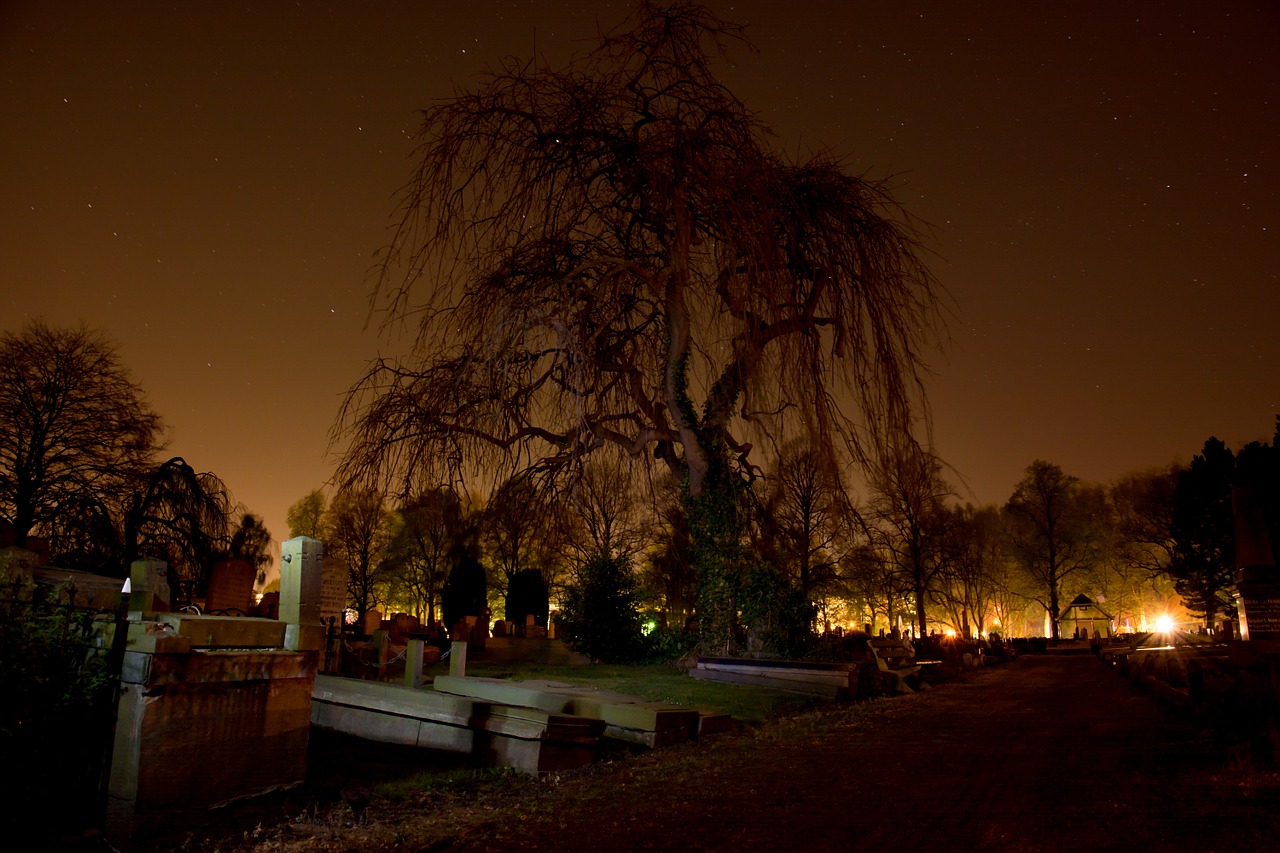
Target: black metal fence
x,y
59,678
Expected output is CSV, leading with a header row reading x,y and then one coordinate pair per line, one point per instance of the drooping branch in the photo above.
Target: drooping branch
x,y
613,253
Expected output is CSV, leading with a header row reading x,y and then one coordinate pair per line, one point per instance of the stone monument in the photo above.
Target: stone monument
x,y
1257,578
301,592
148,589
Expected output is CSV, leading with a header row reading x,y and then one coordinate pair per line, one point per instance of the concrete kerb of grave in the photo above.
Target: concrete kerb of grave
x,y
836,680
627,718
523,738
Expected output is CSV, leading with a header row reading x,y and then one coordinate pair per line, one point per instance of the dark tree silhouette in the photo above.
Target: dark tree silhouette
x,y
426,531
601,615
521,529
1258,471
1202,528
1143,505
527,595
75,429
802,515
358,526
614,253
465,591
601,509
908,519
1054,530
183,518
251,542
667,570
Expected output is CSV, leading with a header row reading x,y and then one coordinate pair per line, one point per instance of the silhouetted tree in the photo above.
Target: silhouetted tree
x,y
908,518
75,429
420,556
613,253
802,514
251,542
527,595
465,591
973,558
601,509
1258,471
1143,505
306,516
184,518
1202,528
1053,524
86,534
601,615
1135,578
521,529
358,526
667,574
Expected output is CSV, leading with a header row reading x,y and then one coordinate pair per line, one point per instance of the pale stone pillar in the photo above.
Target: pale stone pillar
x,y
413,663
301,563
458,658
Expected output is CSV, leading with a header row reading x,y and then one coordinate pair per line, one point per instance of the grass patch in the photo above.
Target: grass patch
x,y
459,782
662,682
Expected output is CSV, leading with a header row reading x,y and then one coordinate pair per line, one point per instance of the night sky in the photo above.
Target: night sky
x,y
207,182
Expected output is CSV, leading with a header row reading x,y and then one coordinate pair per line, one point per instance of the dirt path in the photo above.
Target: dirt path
x,y
1048,754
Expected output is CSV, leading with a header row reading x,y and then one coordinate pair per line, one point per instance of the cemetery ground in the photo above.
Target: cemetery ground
x,y
1045,753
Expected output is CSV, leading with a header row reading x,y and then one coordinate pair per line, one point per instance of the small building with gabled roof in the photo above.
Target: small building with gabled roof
x,y
1084,619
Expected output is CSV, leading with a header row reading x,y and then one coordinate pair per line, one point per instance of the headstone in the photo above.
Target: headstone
x,y
1257,578
333,590
372,622
300,567
148,589
402,625
231,586
301,559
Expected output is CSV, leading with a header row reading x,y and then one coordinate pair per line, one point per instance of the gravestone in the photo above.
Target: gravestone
x,y
301,560
1257,578
148,589
231,586
333,590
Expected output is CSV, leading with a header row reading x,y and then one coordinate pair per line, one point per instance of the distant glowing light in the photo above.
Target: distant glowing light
x,y
1165,623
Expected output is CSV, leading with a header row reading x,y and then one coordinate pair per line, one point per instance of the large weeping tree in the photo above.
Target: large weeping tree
x,y
615,253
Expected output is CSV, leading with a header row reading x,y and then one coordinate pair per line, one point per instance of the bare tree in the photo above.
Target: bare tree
x,y
667,573
803,514
971,573
359,530
521,529
427,531
1053,528
874,582
74,426
184,518
908,518
603,512
614,253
